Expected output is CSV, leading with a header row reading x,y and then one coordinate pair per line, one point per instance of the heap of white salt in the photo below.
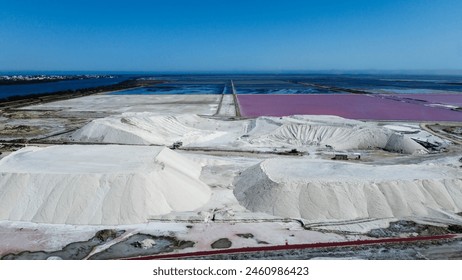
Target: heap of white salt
x,y
145,128
105,184
263,132
319,190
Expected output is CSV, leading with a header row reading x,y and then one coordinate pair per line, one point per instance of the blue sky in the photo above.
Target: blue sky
x,y
230,35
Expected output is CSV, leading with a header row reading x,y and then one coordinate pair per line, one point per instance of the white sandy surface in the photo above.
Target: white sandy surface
x,y
204,104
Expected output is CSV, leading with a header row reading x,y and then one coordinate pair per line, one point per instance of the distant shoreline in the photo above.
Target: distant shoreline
x,y
30,82
23,100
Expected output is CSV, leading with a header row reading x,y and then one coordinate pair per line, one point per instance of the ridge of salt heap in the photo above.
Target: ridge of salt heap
x,y
319,190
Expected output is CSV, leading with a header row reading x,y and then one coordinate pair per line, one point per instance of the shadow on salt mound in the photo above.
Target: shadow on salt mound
x,y
97,184
319,190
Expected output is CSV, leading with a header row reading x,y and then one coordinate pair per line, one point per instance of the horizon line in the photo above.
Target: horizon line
x,y
330,71
237,72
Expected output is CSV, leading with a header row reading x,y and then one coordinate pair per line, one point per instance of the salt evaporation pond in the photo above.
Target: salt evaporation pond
x,y
276,87
403,83
352,106
448,99
163,89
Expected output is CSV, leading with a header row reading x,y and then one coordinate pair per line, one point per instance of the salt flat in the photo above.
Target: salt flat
x,y
158,104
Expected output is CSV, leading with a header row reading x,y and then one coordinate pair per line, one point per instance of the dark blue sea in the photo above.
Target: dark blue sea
x,y
56,86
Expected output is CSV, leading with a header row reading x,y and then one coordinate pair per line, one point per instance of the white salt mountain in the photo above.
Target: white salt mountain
x,y
320,190
104,184
146,128
263,132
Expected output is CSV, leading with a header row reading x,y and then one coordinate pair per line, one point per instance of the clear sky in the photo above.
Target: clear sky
x,y
214,35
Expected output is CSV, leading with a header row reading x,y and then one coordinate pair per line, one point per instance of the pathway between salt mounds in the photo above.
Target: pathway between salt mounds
x,y
319,190
105,184
263,132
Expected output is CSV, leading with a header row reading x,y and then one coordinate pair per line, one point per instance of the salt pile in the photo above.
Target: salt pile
x,y
319,190
345,135
103,184
146,128
263,132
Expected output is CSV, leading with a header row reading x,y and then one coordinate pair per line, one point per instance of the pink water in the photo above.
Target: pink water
x,y
447,99
352,106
